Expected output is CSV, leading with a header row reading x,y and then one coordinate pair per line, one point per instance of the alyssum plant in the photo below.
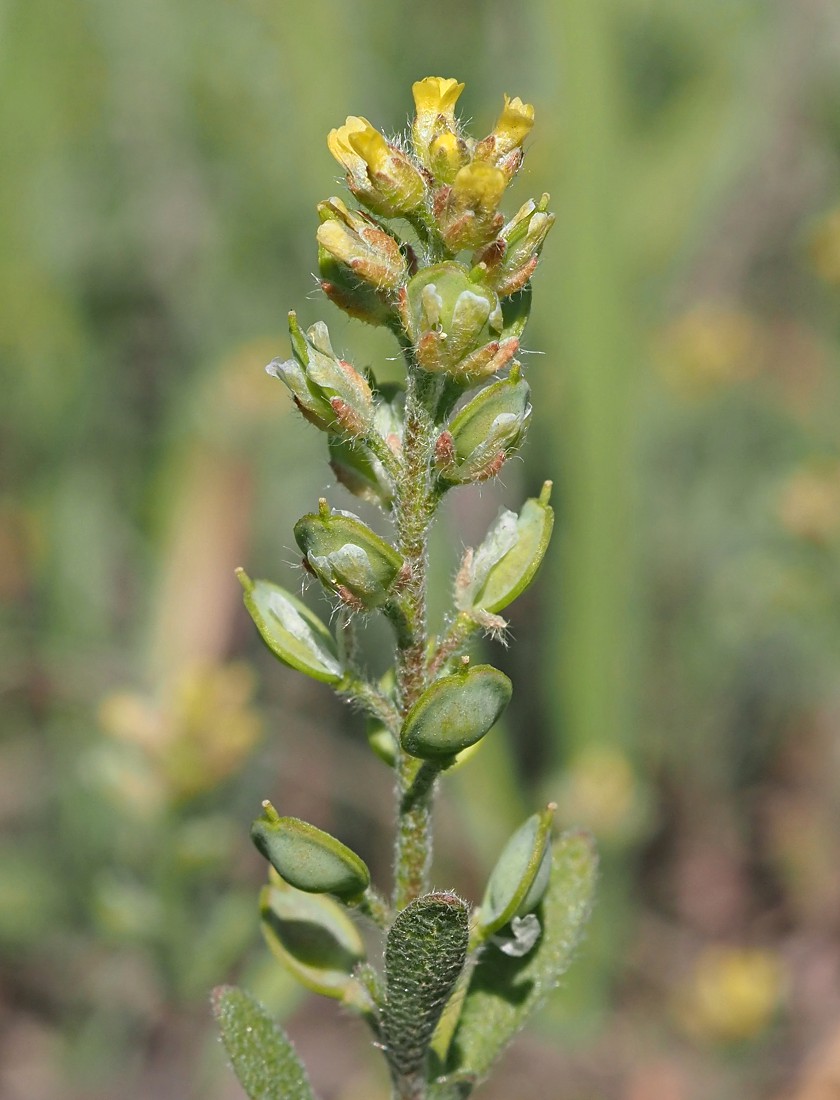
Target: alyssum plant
x,y
457,982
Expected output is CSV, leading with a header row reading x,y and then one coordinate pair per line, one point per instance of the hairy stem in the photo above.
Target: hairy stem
x,y
413,513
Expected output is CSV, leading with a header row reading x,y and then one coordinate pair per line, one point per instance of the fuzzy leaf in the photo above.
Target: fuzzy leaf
x,y
424,956
504,990
263,1058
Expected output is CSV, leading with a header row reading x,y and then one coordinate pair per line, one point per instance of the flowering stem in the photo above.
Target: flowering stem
x,y
414,506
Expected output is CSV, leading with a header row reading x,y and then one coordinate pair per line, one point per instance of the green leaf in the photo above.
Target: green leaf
x,y
455,711
291,631
504,990
312,936
264,1060
424,955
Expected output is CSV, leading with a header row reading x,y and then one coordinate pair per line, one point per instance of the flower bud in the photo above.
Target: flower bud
x,y
508,559
486,431
307,857
378,174
520,876
466,212
503,146
511,259
330,393
455,712
291,631
348,558
455,323
323,957
357,242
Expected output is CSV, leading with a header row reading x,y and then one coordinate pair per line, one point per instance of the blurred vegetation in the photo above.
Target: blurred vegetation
x,y
678,665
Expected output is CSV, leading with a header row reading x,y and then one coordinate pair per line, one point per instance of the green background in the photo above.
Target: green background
x,y
676,666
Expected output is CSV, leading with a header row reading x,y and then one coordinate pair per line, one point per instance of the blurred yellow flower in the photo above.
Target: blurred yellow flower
x,y
731,995
809,503
824,248
601,792
709,348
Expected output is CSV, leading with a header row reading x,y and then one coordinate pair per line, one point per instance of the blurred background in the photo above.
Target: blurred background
x,y
677,664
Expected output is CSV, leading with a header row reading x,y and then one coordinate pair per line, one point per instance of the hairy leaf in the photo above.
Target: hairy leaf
x,y
505,990
263,1058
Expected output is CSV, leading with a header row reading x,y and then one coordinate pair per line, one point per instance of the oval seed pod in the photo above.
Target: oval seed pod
x,y
347,557
508,559
520,876
312,936
291,631
486,431
455,712
309,858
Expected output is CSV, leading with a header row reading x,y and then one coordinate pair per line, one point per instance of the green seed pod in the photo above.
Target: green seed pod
x,y
348,558
520,877
291,631
360,471
455,712
312,936
307,857
486,431
508,559
455,323
330,393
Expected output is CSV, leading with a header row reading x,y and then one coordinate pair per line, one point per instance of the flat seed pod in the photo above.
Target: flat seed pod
x,y
347,556
309,858
291,631
507,561
312,936
520,876
455,711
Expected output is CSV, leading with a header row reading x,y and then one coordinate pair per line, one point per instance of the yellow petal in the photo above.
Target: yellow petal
x,y
479,186
436,95
513,125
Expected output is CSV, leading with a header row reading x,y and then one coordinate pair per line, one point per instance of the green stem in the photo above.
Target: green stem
x,y
413,513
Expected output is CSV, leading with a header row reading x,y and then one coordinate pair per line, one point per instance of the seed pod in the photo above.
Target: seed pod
x,y
508,559
455,712
520,877
312,936
455,322
348,558
291,631
486,431
307,857
360,471
329,392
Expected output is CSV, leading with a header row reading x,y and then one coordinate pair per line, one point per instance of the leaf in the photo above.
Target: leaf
x,y
424,956
504,990
264,1060
312,936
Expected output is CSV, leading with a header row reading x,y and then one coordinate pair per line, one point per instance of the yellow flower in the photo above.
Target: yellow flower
x,y
435,97
513,125
434,131
732,994
358,146
378,174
